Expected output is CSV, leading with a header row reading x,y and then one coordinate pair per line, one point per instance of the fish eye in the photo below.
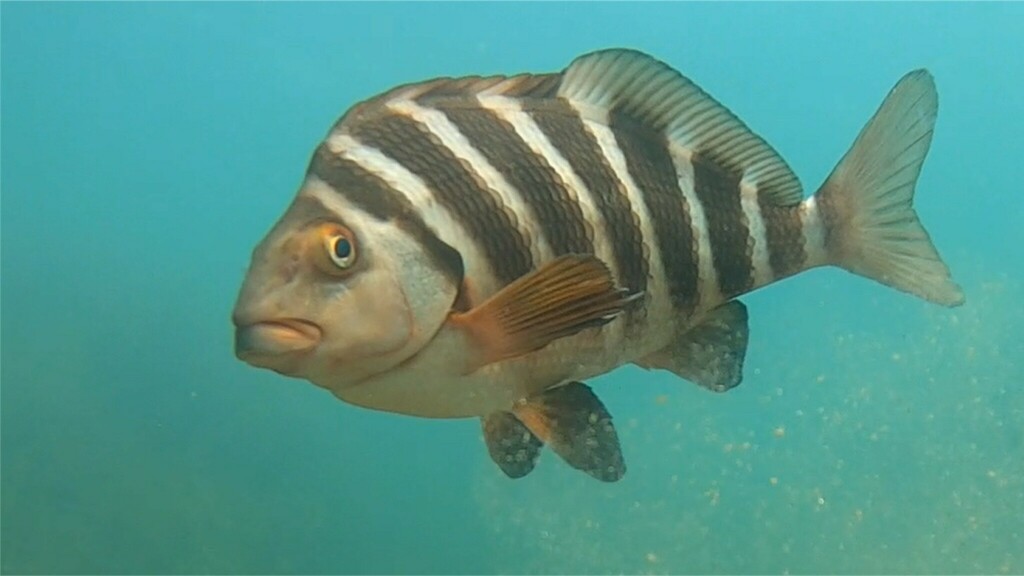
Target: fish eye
x,y
340,248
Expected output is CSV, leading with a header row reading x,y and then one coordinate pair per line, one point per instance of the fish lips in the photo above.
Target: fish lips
x,y
276,344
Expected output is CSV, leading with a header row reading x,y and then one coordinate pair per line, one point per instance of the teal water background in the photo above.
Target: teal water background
x,y
147,147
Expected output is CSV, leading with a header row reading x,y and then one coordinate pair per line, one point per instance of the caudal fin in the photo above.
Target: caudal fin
x,y
871,228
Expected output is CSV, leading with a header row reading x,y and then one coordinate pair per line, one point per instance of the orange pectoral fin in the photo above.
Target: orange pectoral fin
x,y
563,297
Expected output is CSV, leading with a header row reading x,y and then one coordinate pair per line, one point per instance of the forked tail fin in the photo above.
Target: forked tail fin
x,y
866,204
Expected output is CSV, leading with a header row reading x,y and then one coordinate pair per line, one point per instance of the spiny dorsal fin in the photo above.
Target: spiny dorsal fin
x,y
641,88
518,86
429,91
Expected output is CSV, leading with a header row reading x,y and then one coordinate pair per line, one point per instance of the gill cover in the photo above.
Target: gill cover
x,y
374,290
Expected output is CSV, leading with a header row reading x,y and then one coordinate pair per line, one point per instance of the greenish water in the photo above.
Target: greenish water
x,y
147,147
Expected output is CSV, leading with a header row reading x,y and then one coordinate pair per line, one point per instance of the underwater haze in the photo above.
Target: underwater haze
x,y
147,147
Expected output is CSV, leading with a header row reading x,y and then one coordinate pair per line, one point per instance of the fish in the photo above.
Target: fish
x,y
481,246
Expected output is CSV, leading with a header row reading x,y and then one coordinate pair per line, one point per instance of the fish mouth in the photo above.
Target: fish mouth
x,y
277,343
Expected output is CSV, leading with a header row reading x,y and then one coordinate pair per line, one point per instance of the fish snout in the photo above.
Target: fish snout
x,y
274,343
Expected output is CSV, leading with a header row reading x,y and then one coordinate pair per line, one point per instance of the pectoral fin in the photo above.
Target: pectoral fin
x,y
563,297
576,425
511,444
711,353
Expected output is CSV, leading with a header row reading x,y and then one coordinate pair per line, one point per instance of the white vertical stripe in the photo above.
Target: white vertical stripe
x,y
434,215
660,305
505,194
758,235
509,110
813,229
710,294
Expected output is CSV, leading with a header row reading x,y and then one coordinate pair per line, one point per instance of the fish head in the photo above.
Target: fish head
x,y
336,294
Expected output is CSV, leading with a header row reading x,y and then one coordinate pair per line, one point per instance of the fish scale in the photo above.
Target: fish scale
x,y
510,237
568,133
455,187
557,218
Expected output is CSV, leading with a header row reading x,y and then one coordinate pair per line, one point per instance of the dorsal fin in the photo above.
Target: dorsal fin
x,y
639,87
429,91
518,86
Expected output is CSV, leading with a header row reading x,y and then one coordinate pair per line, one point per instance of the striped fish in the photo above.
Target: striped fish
x,y
480,246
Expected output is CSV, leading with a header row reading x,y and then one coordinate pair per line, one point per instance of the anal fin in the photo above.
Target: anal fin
x,y
576,425
511,444
711,353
